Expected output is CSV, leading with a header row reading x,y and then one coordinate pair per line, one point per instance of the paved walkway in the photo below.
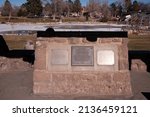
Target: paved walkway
x,y
18,85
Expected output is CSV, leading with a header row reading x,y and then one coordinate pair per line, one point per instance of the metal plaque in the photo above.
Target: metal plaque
x,y
82,56
59,57
105,57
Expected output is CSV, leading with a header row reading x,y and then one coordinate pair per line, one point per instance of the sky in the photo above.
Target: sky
x,y
84,2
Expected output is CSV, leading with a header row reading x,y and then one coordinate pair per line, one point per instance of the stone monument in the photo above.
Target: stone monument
x,y
69,65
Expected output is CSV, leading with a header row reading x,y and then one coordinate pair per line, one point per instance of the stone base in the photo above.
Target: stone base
x,y
83,85
138,65
74,68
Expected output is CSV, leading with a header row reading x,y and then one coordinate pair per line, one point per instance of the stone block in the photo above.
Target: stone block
x,y
86,84
58,40
138,65
73,40
117,40
110,40
41,81
123,52
41,76
41,88
124,41
40,58
123,83
105,41
73,84
123,64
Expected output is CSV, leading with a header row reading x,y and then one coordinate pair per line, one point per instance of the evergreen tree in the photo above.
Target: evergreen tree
x,y
23,10
77,6
116,9
119,10
128,5
113,9
7,8
34,7
135,6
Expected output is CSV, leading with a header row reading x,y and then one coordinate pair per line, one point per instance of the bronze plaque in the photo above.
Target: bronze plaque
x,y
82,56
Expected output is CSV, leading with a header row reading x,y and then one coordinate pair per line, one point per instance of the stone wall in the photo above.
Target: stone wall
x,y
56,74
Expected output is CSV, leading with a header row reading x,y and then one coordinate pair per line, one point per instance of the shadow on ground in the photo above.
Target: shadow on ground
x,y
27,55
142,55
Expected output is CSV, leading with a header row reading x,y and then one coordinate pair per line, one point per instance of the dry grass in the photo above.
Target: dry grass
x,y
136,42
37,20
18,41
25,19
139,42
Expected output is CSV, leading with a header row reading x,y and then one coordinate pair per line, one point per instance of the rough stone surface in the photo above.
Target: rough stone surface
x,y
123,64
138,65
58,40
40,56
123,56
83,84
18,85
73,40
123,52
12,64
111,40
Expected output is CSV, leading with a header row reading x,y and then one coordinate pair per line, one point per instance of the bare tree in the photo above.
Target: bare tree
x,y
99,9
69,5
15,10
127,5
93,5
105,10
56,7
47,10
7,9
77,6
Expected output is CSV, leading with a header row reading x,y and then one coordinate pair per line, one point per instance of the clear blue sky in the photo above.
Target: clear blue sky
x,y
84,2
